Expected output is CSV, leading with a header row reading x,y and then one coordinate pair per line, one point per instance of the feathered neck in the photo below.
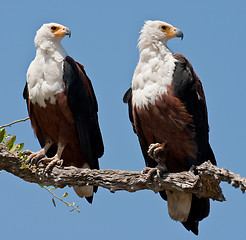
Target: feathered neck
x,y
153,73
53,49
149,46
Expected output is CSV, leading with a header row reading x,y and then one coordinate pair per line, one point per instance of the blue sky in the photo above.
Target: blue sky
x,y
104,40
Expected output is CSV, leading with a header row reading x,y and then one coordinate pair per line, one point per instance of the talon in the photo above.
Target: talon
x,y
157,151
44,172
152,148
145,170
28,152
150,172
35,156
39,157
162,169
159,171
52,162
193,167
61,163
39,161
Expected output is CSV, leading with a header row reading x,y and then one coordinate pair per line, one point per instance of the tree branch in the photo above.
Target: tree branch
x,y
17,121
204,184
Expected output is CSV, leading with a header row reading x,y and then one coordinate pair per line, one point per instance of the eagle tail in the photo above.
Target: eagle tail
x,y
179,205
200,208
84,191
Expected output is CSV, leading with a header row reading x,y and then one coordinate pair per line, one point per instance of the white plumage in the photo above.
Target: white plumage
x,y
155,67
45,73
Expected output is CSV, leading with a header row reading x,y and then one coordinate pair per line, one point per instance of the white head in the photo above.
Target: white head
x,y
158,31
50,33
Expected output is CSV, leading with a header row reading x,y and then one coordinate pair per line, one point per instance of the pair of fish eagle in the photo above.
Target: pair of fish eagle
x,y
166,103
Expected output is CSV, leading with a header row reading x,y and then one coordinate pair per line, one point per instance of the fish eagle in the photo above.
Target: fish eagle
x,y
62,107
168,112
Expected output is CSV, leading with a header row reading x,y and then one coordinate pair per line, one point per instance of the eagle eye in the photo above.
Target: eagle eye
x,y
53,28
163,27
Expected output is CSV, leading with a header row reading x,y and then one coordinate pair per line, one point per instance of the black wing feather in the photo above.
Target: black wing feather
x,y
128,99
188,88
82,102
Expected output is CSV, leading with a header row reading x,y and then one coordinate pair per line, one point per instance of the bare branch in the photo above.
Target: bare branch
x,y
207,170
17,121
204,184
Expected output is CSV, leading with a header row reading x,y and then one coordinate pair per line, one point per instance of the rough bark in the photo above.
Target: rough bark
x,y
205,183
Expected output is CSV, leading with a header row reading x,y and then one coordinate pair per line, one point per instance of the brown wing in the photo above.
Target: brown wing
x,y
36,128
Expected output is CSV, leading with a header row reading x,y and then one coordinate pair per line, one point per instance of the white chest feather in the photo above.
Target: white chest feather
x,y
45,77
152,75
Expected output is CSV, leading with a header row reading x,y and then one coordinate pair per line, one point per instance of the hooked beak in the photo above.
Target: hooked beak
x,y
67,32
179,33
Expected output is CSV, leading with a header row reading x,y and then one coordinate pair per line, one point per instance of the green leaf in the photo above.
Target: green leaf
x,y
23,166
41,185
12,148
53,200
2,134
6,136
65,195
53,188
9,143
19,147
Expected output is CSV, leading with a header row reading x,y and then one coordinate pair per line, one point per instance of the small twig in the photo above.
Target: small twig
x,y
68,204
17,121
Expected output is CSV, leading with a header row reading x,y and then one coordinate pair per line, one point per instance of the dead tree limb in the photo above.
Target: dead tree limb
x,y
205,183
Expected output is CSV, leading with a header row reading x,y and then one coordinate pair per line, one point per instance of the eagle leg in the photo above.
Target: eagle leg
x,y
158,152
34,157
56,160
159,170
151,172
